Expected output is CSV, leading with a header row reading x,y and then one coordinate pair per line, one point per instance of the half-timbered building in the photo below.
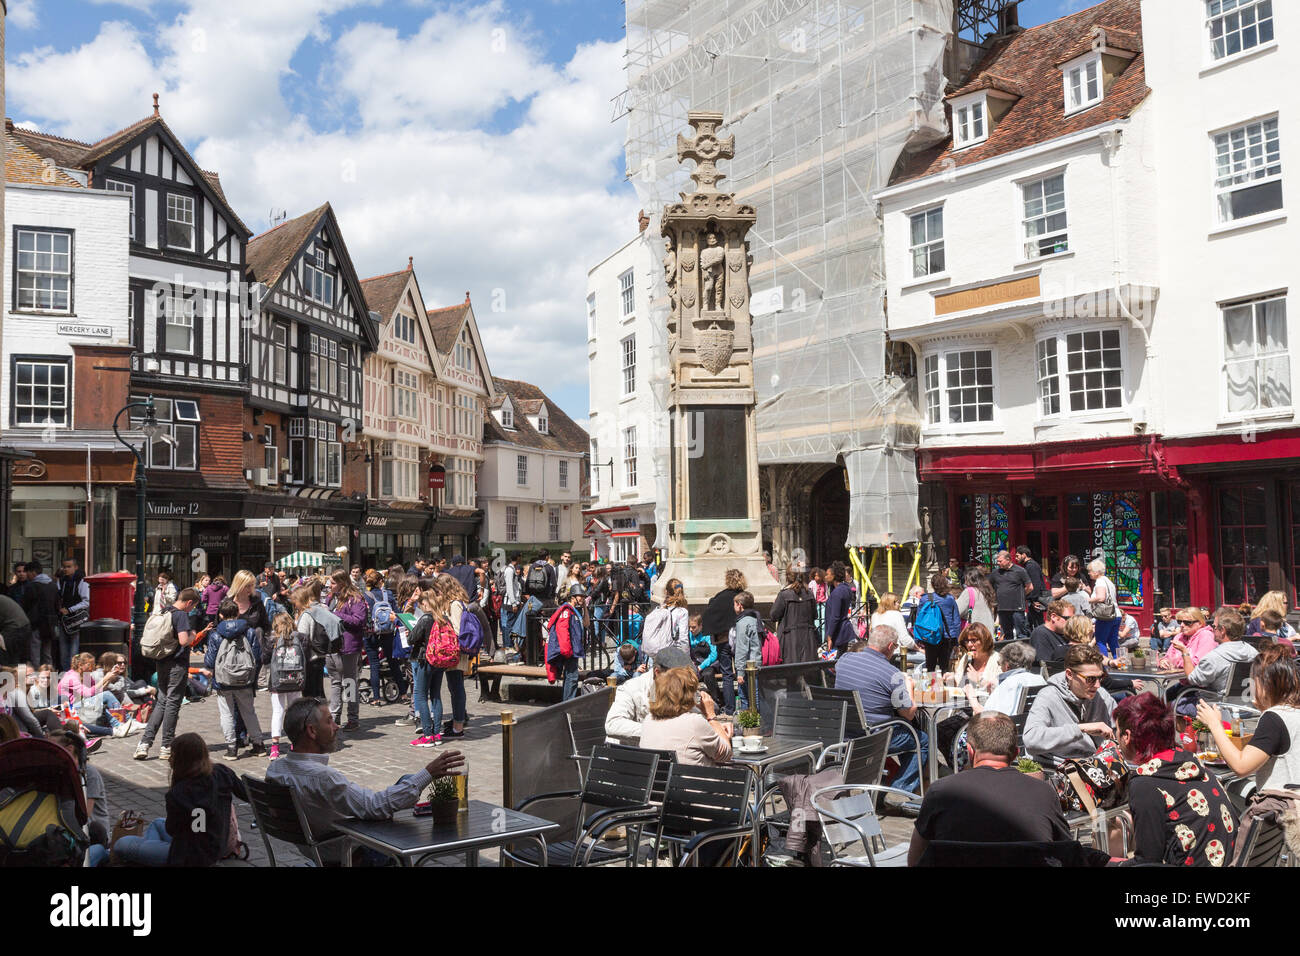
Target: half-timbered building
x,y
309,334
464,391
186,280
396,469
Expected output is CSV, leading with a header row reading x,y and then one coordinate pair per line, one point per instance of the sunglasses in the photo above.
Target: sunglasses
x,y
1185,623
1089,680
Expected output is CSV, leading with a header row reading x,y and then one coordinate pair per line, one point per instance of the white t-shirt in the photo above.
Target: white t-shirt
x,y
895,620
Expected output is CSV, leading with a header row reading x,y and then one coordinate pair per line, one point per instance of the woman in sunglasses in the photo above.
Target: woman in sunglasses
x,y
1195,639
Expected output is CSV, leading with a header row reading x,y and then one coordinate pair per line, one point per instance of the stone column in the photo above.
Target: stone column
x,y
714,520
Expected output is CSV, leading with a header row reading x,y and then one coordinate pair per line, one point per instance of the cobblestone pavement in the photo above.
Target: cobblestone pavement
x,y
374,757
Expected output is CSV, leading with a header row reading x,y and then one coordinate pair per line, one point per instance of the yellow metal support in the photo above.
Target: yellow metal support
x,y
889,566
915,576
861,575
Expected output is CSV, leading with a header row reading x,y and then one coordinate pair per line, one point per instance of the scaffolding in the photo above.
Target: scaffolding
x,y
822,97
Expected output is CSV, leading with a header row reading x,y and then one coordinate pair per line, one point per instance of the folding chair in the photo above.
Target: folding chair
x,y
703,806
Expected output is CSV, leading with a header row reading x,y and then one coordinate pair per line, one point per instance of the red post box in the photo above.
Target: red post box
x,y
111,595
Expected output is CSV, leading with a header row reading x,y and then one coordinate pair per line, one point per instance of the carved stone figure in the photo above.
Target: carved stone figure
x,y
713,270
670,272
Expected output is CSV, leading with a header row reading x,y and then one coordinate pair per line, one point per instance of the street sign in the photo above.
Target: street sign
x,y
437,477
259,524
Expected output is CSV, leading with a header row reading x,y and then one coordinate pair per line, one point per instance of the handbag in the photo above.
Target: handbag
x,y
72,621
129,823
1089,784
1107,609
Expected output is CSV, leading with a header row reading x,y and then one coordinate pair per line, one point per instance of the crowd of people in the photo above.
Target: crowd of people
x,y
308,639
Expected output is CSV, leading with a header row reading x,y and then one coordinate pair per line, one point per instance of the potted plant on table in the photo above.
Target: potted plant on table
x,y
747,721
1204,741
443,800
1030,768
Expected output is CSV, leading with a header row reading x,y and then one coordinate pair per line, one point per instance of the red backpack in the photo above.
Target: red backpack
x,y
443,649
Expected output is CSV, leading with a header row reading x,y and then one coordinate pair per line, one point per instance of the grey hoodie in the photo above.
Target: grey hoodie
x,y
1052,728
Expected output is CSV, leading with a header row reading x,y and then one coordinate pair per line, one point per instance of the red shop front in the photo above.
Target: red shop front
x,y
1192,521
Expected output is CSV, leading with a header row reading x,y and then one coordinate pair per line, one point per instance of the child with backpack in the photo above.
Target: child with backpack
x,y
749,642
382,604
566,642
448,605
286,653
232,659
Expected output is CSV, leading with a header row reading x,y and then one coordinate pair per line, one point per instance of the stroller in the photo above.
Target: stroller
x,y
389,692
42,806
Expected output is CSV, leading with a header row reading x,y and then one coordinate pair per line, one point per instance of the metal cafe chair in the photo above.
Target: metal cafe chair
x,y
615,792
276,810
704,806
585,733
847,812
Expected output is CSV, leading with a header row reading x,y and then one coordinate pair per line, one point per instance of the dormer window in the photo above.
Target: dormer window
x,y
1083,83
543,424
970,121
507,416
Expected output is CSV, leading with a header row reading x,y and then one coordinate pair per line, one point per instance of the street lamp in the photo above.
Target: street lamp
x,y
153,431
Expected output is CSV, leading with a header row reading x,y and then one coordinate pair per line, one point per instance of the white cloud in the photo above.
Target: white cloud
x,y
516,215
22,14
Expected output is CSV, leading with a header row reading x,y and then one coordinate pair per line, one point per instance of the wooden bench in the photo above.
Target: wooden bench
x,y
512,670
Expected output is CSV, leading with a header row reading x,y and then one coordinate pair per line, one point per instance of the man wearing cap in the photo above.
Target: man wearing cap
x,y
632,699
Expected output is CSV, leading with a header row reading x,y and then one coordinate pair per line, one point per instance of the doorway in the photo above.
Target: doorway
x,y
1044,540
829,518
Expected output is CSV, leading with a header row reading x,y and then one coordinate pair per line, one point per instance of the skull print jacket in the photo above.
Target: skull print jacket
x,y
1181,813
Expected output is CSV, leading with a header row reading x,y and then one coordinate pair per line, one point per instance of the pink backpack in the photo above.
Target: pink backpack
x,y
771,650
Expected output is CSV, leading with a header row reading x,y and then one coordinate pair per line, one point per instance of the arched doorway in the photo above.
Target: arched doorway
x,y
828,514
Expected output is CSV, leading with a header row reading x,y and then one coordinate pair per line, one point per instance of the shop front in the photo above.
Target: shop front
x,y
1178,523
455,535
63,506
618,535
222,532
392,536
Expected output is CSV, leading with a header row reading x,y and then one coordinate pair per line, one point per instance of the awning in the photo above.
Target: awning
x,y
307,559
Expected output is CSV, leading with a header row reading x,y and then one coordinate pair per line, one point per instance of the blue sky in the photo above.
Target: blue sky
x,y
474,136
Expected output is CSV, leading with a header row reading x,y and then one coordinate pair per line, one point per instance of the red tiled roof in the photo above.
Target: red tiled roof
x,y
22,165
1114,37
446,324
1028,59
563,433
65,152
270,253
383,293
989,81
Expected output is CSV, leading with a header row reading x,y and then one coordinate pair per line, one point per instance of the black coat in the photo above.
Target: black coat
x,y
794,613
720,615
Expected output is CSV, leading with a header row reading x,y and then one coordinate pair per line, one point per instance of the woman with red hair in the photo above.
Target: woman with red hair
x,y
1181,813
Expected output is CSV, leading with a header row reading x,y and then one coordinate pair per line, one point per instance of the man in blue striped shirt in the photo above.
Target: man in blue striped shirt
x,y
886,693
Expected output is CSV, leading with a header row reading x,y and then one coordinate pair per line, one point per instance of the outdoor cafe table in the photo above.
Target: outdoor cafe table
x,y
413,839
1162,679
929,711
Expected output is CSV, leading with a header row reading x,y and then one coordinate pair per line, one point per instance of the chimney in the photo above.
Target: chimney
x,y
155,105
1009,20
410,263
642,220
467,296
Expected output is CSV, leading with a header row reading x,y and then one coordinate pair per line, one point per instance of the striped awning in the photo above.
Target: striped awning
x,y
308,559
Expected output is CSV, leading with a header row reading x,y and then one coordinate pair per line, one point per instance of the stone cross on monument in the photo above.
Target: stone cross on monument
x,y
714,520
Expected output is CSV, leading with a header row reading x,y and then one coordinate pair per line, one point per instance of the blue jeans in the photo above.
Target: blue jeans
x,y
69,646
570,673
1160,644
597,623
420,671
106,701
512,623
909,774
148,850
375,644
1107,633
456,684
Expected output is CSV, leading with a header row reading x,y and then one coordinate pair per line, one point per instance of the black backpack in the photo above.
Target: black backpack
x,y
538,580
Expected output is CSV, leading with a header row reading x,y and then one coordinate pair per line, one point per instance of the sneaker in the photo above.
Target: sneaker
x,y
410,720
351,726
232,752
134,727
437,740
142,751
94,744
275,752
447,731
165,753
257,750
422,742
121,730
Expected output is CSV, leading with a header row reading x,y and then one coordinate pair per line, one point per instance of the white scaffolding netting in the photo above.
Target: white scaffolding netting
x,y
821,97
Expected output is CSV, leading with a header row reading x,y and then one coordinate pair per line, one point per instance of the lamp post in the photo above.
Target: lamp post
x,y
152,432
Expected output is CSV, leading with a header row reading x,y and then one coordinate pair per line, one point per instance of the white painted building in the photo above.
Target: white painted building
x,y
626,420
533,484
1092,274
65,312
